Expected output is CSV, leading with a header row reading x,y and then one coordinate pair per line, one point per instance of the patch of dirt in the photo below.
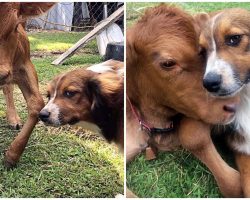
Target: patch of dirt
x,y
44,54
38,30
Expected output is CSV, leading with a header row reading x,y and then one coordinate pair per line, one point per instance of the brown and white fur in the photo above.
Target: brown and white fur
x,y
92,98
225,45
164,80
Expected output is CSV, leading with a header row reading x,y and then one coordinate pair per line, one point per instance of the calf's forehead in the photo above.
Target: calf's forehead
x,y
8,16
8,9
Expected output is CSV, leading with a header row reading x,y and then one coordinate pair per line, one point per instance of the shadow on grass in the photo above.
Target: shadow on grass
x,y
58,164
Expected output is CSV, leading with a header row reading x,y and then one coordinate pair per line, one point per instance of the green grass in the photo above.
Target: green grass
x,y
65,161
135,9
174,174
46,71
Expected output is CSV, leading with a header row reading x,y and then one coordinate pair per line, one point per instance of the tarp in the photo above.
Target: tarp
x,y
61,13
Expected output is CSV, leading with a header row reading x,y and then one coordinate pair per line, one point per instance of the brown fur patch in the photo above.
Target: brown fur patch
x,y
97,98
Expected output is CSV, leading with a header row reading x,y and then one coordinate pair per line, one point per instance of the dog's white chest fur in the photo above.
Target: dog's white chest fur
x,y
89,126
242,122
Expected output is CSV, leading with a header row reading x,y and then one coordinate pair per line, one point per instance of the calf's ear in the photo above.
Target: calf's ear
x,y
29,9
130,49
200,21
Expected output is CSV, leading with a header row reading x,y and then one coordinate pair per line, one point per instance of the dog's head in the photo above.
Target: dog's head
x,y
225,45
164,67
84,96
12,19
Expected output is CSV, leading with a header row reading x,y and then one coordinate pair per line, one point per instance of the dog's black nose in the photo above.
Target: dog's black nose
x,y
212,82
44,115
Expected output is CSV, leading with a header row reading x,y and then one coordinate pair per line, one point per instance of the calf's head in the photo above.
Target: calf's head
x,y
164,67
11,17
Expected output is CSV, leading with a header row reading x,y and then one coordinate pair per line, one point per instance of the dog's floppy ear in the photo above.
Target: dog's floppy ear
x,y
28,9
95,95
101,90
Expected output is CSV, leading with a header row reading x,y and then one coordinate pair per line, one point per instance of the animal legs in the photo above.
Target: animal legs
x,y
12,116
28,83
195,137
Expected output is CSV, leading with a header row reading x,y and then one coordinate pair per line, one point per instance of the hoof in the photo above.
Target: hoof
x,y
9,164
15,126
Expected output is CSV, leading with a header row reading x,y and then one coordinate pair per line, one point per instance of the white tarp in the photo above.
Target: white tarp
x,y
61,13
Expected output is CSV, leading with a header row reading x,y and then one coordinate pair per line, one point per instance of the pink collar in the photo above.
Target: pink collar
x,y
146,126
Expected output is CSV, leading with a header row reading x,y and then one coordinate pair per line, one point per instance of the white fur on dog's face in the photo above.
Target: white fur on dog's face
x,y
53,108
217,65
72,95
55,113
230,83
226,58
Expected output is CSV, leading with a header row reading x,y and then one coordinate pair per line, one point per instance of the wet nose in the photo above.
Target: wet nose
x,y
44,115
212,82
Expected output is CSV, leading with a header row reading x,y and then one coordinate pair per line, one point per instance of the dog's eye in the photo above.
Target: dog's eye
x,y
48,96
233,40
168,64
69,94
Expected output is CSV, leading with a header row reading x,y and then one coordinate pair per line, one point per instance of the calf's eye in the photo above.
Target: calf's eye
x,y
233,40
168,64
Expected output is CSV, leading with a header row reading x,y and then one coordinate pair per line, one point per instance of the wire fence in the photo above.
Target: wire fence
x,y
75,16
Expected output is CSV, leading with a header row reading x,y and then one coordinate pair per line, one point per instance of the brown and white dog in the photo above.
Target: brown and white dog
x,y
164,83
91,98
225,45
16,67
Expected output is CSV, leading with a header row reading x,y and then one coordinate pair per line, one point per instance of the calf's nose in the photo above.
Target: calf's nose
x,y
44,115
212,82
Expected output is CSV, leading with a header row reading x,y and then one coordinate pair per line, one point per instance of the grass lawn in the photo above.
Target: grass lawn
x,y
135,9
174,174
65,161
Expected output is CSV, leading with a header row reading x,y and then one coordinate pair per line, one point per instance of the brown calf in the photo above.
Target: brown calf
x,y
17,68
164,83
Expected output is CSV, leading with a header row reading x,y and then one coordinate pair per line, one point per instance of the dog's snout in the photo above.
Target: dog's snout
x,y
44,115
212,82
